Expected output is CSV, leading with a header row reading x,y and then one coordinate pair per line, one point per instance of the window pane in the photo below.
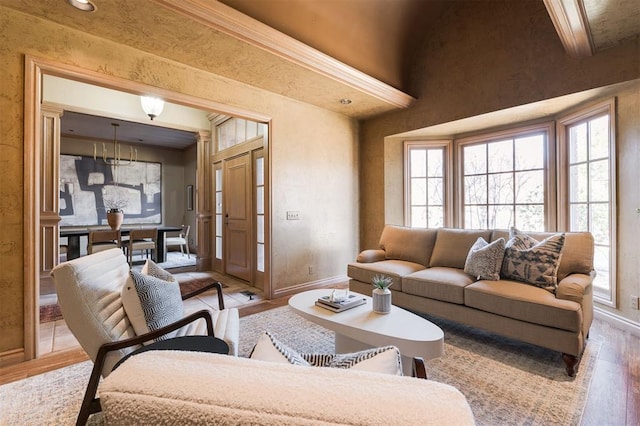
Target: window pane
x,y
579,218
500,217
501,188
435,192
601,258
218,225
260,200
218,202
218,247
435,163
260,229
530,218
475,190
599,214
418,162
260,259
599,138
475,217
219,180
530,187
599,180
529,152
578,183
436,217
418,191
578,143
260,171
419,217
500,156
475,159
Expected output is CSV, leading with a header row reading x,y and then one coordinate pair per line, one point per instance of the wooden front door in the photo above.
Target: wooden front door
x,y
238,214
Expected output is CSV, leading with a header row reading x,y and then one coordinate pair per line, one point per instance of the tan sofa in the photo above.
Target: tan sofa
x,y
427,267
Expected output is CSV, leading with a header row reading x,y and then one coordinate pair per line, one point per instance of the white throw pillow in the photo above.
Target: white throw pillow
x,y
270,349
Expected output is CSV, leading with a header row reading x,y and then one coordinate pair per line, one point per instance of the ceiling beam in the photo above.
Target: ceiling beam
x,y
227,20
570,20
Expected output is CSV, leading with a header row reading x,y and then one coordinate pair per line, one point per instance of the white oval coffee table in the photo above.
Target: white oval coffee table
x,y
360,328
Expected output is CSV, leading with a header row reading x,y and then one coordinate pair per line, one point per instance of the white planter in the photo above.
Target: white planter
x,y
381,301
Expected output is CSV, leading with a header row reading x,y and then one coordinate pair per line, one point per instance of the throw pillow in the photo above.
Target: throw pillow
x,y
160,301
152,268
484,260
386,359
270,349
531,261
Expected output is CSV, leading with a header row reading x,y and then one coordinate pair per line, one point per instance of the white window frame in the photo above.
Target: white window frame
x,y
564,122
447,176
548,128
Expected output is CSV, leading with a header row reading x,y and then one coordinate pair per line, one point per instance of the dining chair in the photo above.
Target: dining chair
x,y
100,240
182,240
142,240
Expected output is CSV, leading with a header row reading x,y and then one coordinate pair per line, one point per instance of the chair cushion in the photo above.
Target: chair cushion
x,y
484,259
396,269
409,244
452,246
386,359
439,283
159,300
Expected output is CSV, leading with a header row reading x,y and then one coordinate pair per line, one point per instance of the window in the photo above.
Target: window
x,y
259,185
503,180
587,144
426,183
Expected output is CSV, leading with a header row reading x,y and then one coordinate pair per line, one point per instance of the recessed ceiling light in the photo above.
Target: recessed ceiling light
x,y
345,101
83,5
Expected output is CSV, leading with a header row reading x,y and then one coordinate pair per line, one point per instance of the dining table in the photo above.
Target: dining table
x,y
73,239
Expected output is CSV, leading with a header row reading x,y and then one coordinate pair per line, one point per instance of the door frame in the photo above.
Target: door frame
x,y
35,69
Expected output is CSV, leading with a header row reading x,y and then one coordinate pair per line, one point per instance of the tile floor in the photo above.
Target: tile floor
x,y
55,336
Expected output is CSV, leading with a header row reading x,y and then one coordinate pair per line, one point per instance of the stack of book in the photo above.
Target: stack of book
x,y
351,301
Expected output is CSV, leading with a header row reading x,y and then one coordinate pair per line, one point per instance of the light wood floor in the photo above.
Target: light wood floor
x,y
614,395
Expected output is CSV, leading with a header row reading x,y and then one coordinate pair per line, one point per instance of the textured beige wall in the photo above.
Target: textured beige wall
x,y
489,56
307,175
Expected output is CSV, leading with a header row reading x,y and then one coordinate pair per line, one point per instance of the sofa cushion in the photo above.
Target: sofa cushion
x,y
446,284
531,261
452,246
409,244
484,260
396,269
524,302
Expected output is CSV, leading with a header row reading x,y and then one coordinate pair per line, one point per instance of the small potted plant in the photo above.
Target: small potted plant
x,y
381,295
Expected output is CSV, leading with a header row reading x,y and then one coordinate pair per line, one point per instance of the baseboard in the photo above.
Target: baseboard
x,y
326,282
620,322
11,357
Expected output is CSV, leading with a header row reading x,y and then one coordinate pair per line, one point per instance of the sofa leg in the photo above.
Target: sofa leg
x,y
571,362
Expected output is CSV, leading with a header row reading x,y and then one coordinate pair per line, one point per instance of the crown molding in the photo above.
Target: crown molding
x,y
225,19
570,20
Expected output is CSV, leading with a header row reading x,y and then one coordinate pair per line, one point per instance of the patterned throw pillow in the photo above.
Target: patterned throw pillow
x,y
270,349
160,300
484,260
531,261
386,359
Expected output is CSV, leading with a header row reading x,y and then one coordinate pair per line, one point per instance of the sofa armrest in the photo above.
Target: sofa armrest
x,y
574,287
370,256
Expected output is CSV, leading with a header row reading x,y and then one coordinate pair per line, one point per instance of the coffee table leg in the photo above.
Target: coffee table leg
x,y
346,344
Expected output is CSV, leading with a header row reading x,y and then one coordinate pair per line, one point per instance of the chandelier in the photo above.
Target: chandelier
x,y
116,160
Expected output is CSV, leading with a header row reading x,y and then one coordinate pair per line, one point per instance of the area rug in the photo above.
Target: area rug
x,y
506,382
